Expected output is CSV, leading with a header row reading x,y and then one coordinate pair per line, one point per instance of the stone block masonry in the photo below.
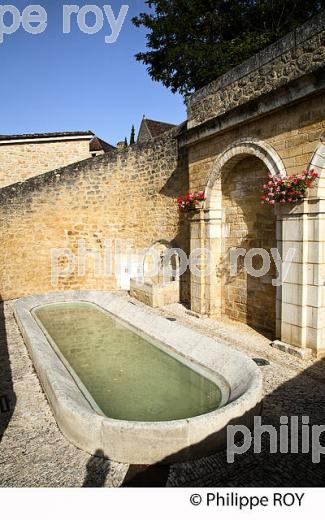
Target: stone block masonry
x,y
23,159
297,54
245,297
124,195
291,136
266,116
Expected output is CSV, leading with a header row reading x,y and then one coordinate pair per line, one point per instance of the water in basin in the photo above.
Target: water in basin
x,y
127,376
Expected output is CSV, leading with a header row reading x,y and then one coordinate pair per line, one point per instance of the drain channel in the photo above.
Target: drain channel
x,y
4,404
261,362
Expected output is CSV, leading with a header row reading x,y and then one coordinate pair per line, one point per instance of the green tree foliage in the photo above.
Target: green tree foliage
x,y
192,42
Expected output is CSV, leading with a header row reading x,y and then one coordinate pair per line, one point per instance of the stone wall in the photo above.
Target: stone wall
x,y
293,133
292,57
126,195
247,225
268,111
265,116
291,136
21,161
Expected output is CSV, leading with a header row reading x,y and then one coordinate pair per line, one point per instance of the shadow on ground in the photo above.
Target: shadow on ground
x,y
97,470
7,394
302,396
147,476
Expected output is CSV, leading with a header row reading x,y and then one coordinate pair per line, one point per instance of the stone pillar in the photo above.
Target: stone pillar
x,y
197,241
302,307
206,233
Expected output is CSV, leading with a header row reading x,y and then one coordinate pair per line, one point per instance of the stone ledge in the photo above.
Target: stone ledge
x,y
301,353
293,92
276,49
298,53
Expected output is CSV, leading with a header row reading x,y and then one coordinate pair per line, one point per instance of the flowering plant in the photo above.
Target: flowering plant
x,y
191,201
288,189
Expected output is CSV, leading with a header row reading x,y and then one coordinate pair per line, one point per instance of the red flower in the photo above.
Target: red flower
x,y
288,189
190,201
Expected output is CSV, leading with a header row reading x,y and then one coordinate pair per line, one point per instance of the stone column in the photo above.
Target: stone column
x,y
197,241
302,307
206,233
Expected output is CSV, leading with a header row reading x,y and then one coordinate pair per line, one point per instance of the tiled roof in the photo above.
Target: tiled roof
x,y
157,128
98,145
45,135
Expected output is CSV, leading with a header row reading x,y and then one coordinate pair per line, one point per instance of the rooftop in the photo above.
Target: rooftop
x,y
150,129
98,145
157,127
47,136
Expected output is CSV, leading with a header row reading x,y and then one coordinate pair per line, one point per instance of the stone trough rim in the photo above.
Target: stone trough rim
x,y
74,402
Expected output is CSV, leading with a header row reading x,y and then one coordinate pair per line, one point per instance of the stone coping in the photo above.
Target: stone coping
x,y
141,442
149,284
288,42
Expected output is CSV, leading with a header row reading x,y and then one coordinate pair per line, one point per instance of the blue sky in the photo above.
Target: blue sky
x,y
64,82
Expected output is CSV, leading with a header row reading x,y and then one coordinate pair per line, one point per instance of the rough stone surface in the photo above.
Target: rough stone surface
x,y
155,294
277,65
34,453
292,136
247,225
22,161
118,202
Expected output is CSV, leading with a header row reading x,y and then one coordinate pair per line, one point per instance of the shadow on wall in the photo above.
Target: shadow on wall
x,y
302,396
7,394
177,185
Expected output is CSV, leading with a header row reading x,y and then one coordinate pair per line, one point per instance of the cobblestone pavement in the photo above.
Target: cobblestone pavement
x,y
33,452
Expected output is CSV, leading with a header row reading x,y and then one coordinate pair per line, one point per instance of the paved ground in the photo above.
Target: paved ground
x,y
33,452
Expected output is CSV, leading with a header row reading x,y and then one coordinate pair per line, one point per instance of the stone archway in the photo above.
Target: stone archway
x,y
244,228
233,154
318,163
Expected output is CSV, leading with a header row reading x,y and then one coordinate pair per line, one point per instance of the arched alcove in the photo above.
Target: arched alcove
x,y
247,227
234,218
